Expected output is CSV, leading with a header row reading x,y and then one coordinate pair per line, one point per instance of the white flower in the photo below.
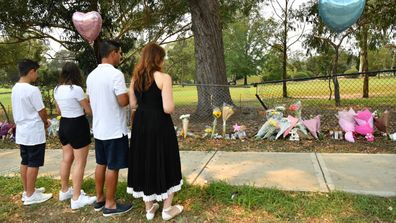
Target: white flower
x,y
184,116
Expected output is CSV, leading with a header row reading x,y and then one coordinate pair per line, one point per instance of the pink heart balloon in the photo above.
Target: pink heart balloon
x,y
88,25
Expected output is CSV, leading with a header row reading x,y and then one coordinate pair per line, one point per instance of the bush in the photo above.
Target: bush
x,y
351,71
302,74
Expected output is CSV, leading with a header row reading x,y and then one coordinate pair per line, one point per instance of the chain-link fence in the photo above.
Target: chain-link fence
x,y
250,101
316,95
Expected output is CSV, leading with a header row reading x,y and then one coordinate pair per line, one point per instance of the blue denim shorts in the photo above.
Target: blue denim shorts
x,y
33,156
112,153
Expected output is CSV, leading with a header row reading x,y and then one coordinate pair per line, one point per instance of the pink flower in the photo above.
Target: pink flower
x,y
369,137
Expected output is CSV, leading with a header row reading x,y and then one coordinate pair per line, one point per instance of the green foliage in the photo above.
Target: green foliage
x,y
272,68
302,74
10,54
180,63
351,71
123,20
245,43
382,59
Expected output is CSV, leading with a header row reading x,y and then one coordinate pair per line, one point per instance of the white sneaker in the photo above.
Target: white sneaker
x,y
82,201
36,198
40,189
66,195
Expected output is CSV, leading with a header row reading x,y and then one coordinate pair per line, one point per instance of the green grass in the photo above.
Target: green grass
x,y
5,98
213,203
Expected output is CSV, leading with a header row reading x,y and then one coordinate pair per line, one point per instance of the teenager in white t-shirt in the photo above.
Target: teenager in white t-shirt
x,y
31,121
74,134
108,97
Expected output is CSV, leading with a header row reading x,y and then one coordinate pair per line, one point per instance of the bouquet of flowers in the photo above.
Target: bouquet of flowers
x,y
227,112
185,120
382,123
216,114
284,124
313,126
296,108
54,127
365,124
347,123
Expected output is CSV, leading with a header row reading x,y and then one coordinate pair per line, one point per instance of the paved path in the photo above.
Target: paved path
x,y
357,173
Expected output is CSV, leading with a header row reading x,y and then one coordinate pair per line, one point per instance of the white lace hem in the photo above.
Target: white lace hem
x,y
157,197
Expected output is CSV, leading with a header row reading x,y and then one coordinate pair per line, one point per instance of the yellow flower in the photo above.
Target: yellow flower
x,y
58,117
273,122
208,130
216,112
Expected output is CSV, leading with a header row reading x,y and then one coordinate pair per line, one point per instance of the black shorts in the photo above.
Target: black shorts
x,y
112,153
74,131
33,156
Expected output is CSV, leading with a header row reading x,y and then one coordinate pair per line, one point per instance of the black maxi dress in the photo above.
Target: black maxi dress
x,y
154,160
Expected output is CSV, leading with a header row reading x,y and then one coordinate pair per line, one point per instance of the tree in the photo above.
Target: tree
x,y
134,23
10,54
209,55
180,63
126,20
272,66
323,40
287,22
245,42
374,31
381,59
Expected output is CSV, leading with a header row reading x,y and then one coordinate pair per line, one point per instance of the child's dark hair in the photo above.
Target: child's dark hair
x,y
107,46
25,65
70,74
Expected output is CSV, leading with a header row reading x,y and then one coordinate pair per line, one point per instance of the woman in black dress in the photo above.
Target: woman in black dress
x,y
154,172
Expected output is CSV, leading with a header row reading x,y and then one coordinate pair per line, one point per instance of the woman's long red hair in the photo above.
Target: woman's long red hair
x,y
150,61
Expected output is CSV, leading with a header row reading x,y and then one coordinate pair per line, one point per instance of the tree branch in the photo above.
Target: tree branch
x,y
276,13
302,33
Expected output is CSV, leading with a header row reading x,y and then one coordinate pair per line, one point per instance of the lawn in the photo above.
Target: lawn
x,y
216,202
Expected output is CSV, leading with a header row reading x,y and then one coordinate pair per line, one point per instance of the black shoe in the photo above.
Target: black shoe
x,y
120,209
99,205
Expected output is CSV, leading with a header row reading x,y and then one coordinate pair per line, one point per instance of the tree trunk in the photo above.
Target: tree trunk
x,y
363,67
335,79
209,55
245,80
284,62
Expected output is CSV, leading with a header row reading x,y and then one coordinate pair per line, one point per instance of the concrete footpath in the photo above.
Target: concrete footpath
x,y
373,174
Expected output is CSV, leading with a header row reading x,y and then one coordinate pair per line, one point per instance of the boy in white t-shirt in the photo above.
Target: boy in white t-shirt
x,y
31,121
108,96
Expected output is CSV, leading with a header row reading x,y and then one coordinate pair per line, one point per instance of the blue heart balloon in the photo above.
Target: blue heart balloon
x,y
339,15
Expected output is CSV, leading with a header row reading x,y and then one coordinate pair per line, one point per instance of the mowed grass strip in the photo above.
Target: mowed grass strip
x,y
216,202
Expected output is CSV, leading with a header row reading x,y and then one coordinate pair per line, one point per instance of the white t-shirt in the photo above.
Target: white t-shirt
x,y
26,103
104,84
68,99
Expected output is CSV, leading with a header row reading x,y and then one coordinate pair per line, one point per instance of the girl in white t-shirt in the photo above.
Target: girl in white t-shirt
x,y
74,134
